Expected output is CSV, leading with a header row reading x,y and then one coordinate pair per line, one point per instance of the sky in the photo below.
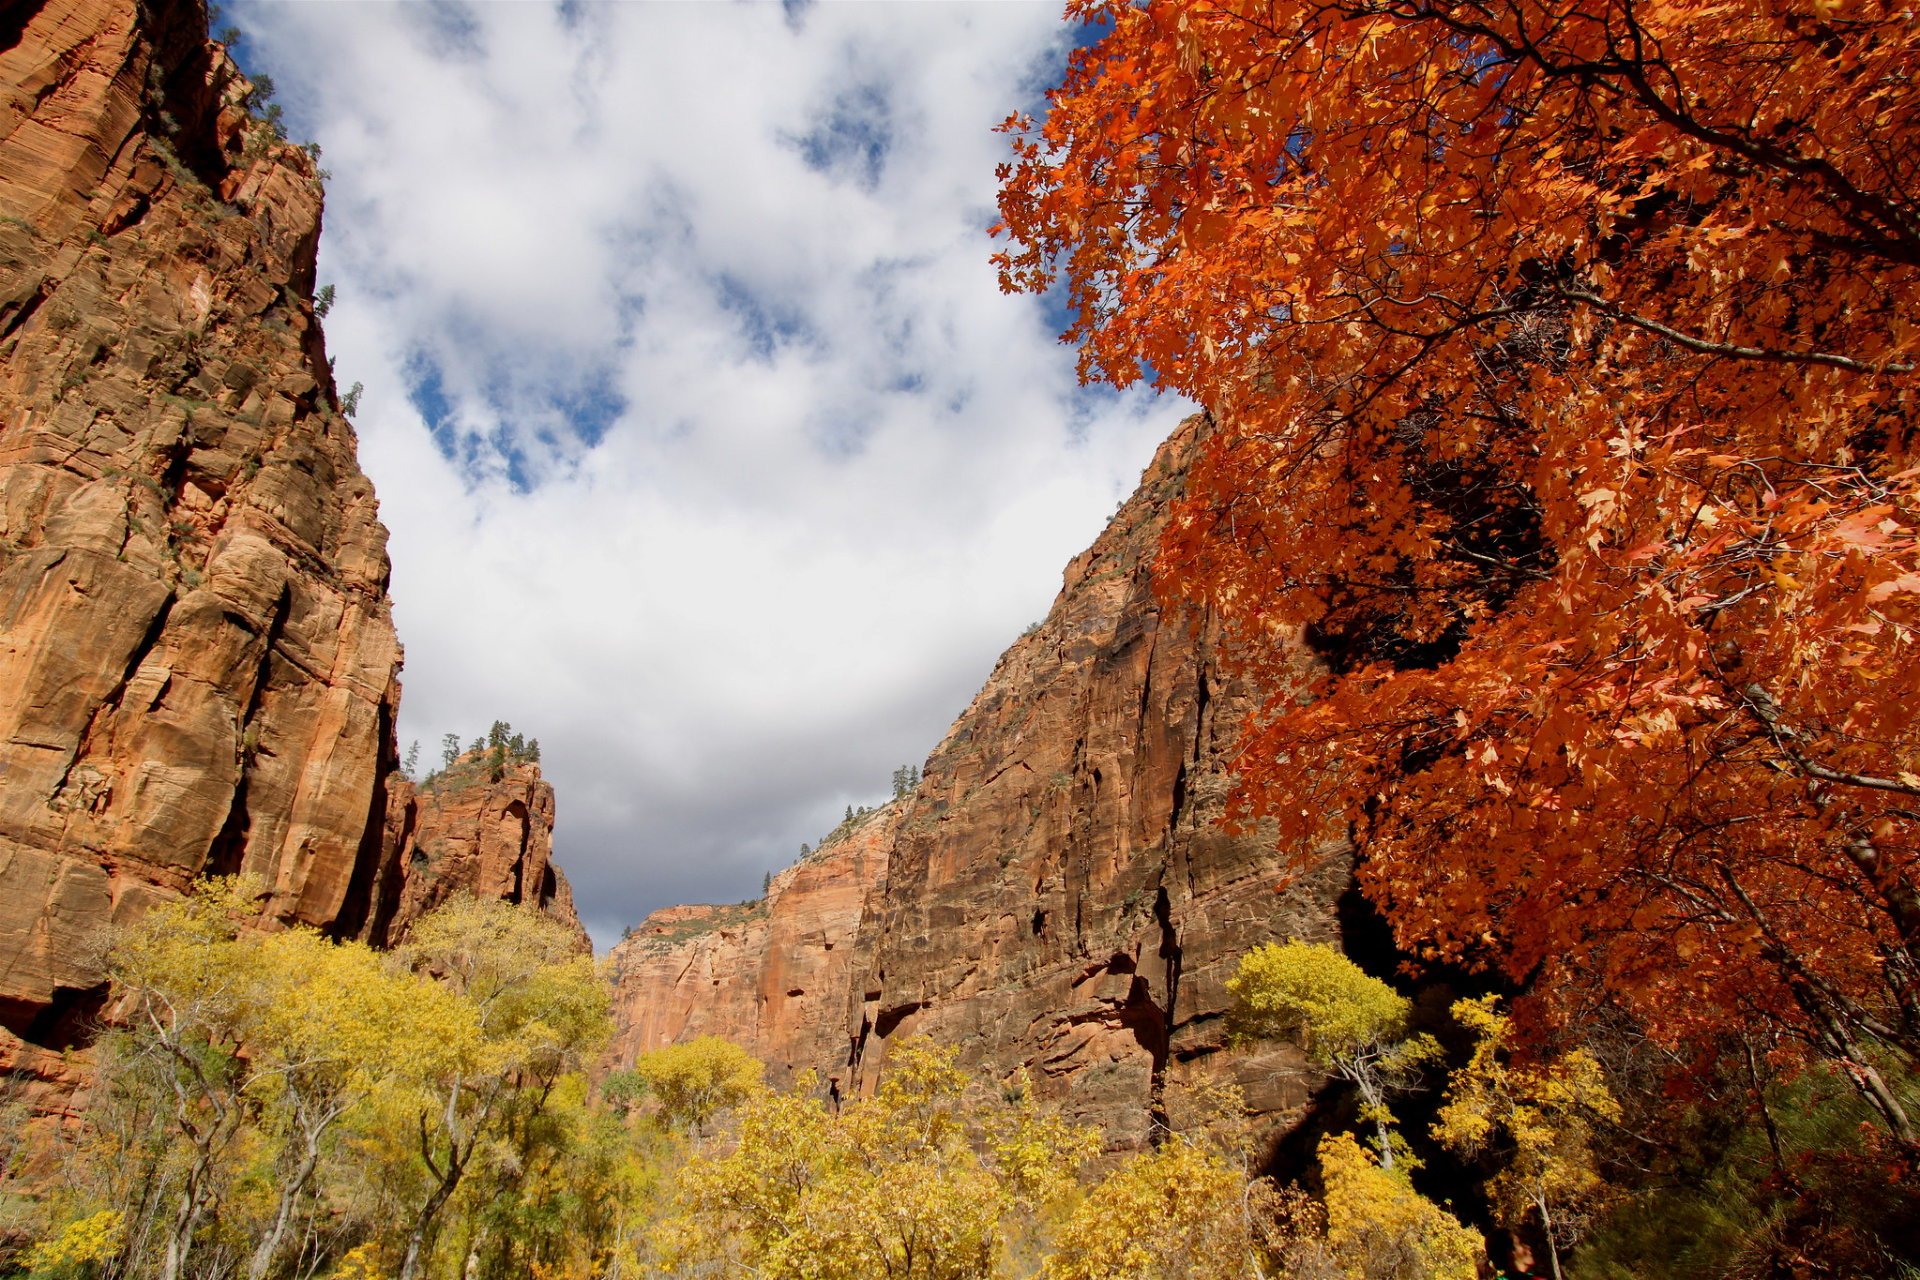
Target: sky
x,y
711,453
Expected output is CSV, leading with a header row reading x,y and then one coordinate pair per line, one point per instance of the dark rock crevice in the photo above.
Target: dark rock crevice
x,y
70,1020
517,812
13,21
1170,954
887,1021
371,866
228,852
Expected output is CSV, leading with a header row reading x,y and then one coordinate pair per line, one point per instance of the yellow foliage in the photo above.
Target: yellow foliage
x,y
918,1181
1347,1020
293,1076
360,1263
84,1241
1178,1213
1311,991
1380,1228
1545,1114
698,1079
521,970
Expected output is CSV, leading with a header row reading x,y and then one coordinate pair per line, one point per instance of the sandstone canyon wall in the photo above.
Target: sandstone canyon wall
x,y
471,829
772,975
1056,898
198,663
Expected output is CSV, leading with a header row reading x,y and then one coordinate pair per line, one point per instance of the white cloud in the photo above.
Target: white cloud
x,y
711,452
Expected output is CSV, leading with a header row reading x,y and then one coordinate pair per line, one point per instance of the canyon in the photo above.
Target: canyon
x,y
1057,896
199,672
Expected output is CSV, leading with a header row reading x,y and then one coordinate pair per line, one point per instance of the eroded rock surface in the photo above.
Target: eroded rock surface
x,y
198,664
1057,898
772,975
473,829
198,668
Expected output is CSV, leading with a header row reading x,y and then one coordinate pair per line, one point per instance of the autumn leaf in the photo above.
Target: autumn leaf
x,y
1586,421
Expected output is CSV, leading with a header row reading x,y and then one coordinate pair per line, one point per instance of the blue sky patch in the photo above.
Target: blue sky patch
x,y
427,391
766,327
591,408
549,423
852,138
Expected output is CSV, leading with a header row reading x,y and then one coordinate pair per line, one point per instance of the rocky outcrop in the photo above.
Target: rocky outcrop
x,y
198,664
198,669
1061,899
473,828
770,975
1058,898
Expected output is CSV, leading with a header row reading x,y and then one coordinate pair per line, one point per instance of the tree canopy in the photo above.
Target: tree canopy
x,y
1561,372
1542,1114
691,1081
275,1101
1346,1020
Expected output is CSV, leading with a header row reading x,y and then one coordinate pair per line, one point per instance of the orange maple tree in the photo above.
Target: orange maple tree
x,y
1560,359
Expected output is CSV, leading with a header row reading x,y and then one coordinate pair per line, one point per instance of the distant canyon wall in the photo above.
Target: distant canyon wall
x,y
474,829
1055,898
772,974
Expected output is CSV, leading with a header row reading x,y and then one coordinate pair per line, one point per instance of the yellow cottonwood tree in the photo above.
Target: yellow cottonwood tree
x,y
1181,1212
918,1182
696,1080
538,1009
1380,1228
336,1023
276,1093
1348,1021
1544,1115
189,992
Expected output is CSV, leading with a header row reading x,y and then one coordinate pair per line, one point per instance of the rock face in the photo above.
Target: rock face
x,y
197,658
1057,896
476,830
772,976
198,665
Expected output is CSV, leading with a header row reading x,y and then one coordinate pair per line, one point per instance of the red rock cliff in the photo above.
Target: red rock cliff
x,y
198,665
772,975
197,660
471,829
1057,896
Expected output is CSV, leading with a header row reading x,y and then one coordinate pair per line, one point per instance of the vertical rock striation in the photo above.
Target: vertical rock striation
x,y
197,656
1058,898
198,664
772,976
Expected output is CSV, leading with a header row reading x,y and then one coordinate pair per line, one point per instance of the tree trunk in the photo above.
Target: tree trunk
x,y
416,1240
185,1219
290,1194
1546,1228
1375,1098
